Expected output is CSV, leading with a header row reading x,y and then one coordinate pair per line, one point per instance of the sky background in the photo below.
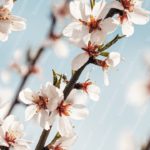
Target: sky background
x,y
112,116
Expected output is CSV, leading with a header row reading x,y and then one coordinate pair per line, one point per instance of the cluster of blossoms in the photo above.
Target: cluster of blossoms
x,y
48,105
11,133
89,30
9,22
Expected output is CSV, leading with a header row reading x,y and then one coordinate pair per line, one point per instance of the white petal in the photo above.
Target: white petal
x,y
67,142
98,8
139,16
3,37
78,112
108,25
113,59
30,112
65,127
43,119
18,23
27,96
127,28
106,79
71,28
79,61
93,92
98,37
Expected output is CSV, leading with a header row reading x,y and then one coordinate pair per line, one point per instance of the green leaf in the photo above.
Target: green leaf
x,y
105,54
54,77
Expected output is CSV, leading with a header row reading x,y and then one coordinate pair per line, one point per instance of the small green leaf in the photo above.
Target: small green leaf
x,y
105,54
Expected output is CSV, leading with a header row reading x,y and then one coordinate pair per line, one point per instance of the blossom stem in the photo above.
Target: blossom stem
x,y
31,65
24,80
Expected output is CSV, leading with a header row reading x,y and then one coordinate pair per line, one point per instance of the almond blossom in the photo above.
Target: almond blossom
x,y
91,89
66,109
110,62
63,143
9,22
132,13
11,133
40,103
89,20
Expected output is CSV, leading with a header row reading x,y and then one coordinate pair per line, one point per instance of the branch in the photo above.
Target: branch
x,y
147,146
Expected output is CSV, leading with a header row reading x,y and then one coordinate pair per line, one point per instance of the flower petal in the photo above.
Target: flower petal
x,y
79,61
30,112
127,28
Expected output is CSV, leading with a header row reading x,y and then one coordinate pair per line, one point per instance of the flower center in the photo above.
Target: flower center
x,y
58,148
128,4
92,24
4,13
85,86
91,49
64,109
10,137
42,102
123,17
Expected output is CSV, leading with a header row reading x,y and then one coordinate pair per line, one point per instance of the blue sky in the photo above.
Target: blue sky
x,y
111,115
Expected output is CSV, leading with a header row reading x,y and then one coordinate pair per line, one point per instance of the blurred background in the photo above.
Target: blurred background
x,y
113,122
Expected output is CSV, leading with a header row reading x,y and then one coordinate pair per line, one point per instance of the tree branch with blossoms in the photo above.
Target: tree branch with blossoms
x,y
54,102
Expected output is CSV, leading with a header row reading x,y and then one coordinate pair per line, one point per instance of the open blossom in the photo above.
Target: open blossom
x,y
9,22
110,62
11,133
63,143
91,89
89,20
65,110
132,13
40,103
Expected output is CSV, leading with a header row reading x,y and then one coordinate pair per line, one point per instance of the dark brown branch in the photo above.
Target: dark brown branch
x,y
147,146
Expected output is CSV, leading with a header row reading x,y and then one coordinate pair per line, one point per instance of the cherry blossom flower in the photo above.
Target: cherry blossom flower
x,y
64,143
40,103
132,13
139,93
90,46
110,62
89,20
91,89
9,22
11,133
65,110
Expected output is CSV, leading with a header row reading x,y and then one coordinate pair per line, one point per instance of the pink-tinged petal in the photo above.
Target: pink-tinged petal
x,y
78,112
106,79
7,4
26,96
127,28
108,25
65,127
98,8
71,28
67,142
139,16
98,37
3,37
18,23
2,140
43,118
79,61
116,4
30,112
8,121
113,59
93,92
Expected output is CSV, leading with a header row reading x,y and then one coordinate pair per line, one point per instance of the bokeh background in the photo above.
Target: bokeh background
x,y
112,118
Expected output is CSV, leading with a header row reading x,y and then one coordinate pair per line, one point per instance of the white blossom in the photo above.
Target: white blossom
x,y
132,13
40,103
89,20
110,62
65,110
11,134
